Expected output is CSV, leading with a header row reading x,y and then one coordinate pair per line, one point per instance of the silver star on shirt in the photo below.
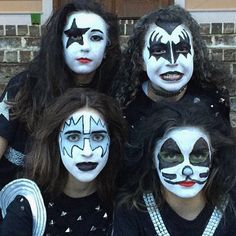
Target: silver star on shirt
x,y
4,108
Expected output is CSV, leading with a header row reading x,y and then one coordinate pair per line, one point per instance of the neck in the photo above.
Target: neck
x,y
76,189
83,80
158,94
187,208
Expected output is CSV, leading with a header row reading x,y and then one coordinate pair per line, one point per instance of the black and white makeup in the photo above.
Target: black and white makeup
x,y
84,40
183,159
84,144
168,56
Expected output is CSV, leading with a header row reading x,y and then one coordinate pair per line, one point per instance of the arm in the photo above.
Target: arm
x,y
3,146
18,220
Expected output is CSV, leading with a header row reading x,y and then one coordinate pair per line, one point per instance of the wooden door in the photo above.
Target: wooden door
x,y
126,8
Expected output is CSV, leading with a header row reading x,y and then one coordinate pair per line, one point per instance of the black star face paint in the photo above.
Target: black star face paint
x,y
168,56
84,144
84,41
75,34
183,160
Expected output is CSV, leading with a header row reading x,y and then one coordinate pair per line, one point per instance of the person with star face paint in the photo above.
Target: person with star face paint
x,y
69,179
79,48
184,178
167,60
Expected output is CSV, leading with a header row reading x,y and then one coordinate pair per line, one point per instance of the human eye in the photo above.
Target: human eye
x,y
197,158
98,137
96,38
183,48
171,157
158,49
73,137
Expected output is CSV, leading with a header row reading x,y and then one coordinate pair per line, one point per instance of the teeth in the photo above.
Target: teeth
x,y
171,76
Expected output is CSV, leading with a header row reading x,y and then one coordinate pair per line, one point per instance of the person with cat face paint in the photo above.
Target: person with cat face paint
x,y
68,184
79,48
166,59
184,179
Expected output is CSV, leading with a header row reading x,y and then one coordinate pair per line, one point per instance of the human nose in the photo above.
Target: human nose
x,y
85,47
187,171
87,151
172,62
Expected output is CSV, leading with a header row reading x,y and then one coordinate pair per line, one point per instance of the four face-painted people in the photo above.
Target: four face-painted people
x,y
167,61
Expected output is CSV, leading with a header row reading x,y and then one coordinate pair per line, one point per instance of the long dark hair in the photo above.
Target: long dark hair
x,y
48,75
131,74
222,178
43,164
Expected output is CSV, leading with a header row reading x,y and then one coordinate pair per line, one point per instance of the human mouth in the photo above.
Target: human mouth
x,y
171,76
86,166
84,60
187,183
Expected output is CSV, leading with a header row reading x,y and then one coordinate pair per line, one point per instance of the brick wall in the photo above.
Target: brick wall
x,y
19,44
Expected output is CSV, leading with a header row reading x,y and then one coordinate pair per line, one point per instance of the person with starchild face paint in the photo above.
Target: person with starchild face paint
x,y
75,157
184,178
79,48
166,59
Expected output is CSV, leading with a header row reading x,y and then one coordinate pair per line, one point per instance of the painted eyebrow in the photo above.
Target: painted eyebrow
x,y
97,30
200,145
73,132
170,145
99,131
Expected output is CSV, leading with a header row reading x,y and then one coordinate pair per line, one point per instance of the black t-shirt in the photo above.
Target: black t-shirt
x,y
216,100
85,216
138,223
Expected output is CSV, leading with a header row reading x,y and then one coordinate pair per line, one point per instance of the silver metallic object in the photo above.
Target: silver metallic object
x,y
31,192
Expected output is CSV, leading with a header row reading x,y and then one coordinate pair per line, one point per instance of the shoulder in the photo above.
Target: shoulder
x,y
15,83
217,100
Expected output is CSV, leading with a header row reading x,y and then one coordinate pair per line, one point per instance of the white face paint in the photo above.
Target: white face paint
x,y
84,39
84,144
183,159
168,56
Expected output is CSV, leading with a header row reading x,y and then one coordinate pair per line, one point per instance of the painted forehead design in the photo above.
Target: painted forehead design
x,y
80,121
184,135
80,126
159,49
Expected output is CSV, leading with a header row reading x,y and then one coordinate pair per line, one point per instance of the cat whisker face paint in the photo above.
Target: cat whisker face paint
x,y
183,159
84,144
85,38
168,56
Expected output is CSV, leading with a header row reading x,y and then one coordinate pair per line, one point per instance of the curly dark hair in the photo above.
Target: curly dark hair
x,y
222,178
131,74
48,75
43,163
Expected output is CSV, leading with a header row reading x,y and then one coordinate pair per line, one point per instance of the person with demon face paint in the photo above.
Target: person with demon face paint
x,y
79,48
69,180
184,178
166,59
